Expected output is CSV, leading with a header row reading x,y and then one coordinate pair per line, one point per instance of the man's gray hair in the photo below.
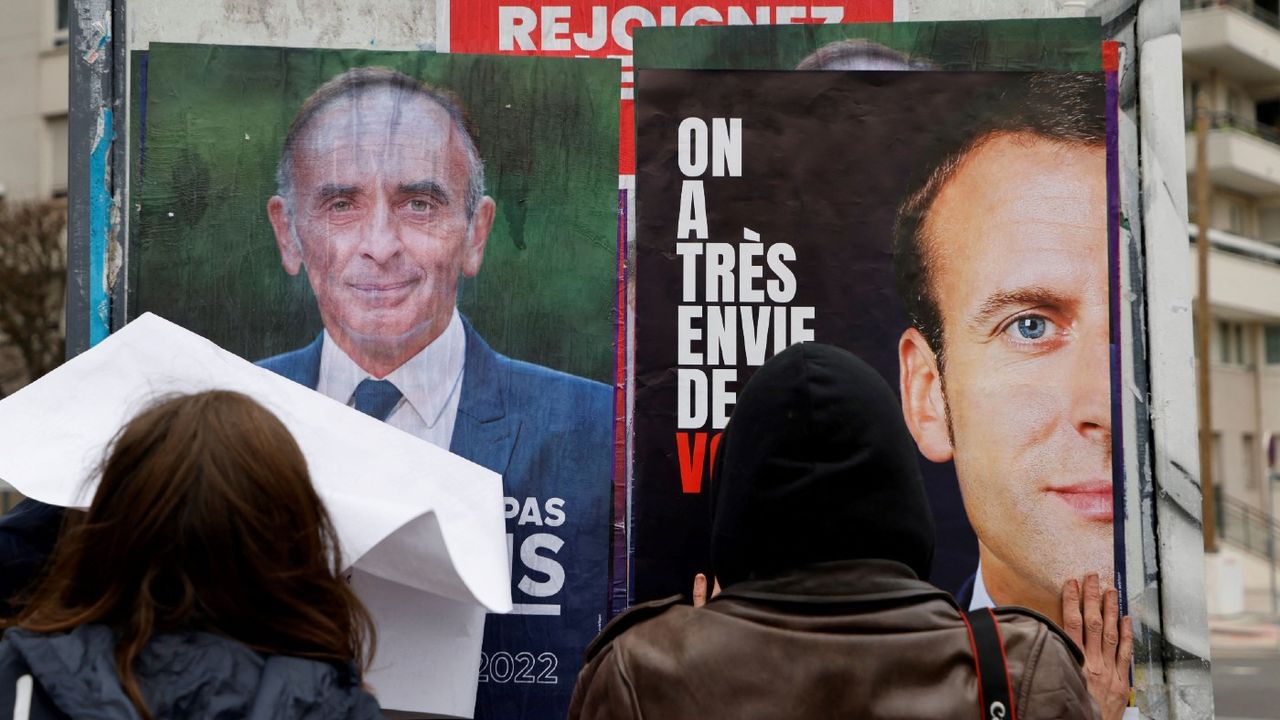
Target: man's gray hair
x,y
859,55
365,79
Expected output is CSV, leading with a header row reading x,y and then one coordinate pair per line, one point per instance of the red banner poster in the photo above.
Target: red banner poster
x,y
602,28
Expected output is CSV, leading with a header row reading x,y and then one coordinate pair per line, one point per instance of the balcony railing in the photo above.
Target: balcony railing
x,y
1244,6
1246,526
1237,245
1239,123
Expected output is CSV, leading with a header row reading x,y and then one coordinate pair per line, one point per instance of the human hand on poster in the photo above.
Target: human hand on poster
x,y
700,589
1091,619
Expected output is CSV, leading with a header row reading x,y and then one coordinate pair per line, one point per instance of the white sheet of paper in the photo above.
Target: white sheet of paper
x,y
422,528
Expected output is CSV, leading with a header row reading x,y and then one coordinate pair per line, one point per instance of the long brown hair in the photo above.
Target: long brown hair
x,y
205,519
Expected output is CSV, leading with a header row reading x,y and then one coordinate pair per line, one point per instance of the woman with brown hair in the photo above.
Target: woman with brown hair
x,y
204,581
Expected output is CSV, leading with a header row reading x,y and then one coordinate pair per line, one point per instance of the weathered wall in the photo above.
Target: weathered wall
x,y
1162,532
297,23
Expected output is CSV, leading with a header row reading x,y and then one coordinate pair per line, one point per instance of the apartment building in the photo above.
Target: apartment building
x,y
33,129
1231,52
33,100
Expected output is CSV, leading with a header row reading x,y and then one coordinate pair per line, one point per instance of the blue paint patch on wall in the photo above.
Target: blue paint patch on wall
x,y
99,224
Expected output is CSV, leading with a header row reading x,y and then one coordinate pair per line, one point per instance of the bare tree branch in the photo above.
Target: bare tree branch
x,y
33,277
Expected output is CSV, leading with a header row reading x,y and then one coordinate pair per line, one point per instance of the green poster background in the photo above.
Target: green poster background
x,y
216,118
1068,44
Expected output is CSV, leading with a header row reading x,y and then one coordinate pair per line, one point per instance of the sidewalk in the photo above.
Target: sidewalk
x,y
1245,655
1243,633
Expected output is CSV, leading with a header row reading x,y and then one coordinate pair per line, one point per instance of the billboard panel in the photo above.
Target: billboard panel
x,y
445,223
952,229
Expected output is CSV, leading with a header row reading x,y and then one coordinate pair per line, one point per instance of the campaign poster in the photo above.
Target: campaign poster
x,y
446,223
1048,44
952,229
605,28
1066,44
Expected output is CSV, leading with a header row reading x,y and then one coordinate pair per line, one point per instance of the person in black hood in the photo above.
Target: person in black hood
x,y
817,465
821,535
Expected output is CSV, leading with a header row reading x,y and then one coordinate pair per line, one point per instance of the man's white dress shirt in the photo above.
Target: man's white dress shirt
x,y
430,381
981,599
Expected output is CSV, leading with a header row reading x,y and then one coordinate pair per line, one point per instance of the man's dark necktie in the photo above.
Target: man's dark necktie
x,y
376,398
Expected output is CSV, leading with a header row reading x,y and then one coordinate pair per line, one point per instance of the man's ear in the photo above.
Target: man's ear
x,y
286,241
477,236
923,405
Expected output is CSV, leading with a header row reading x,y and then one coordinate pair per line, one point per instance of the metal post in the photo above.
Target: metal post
x,y
92,127
1272,477
1204,199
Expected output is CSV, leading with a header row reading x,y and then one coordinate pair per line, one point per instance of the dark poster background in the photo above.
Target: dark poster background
x,y
826,158
966,45
1058,44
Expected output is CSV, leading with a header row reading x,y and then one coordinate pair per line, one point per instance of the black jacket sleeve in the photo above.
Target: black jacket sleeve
x,y
12,668
27,536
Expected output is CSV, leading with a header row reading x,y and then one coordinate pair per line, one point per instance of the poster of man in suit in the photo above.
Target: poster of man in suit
x,y
430,240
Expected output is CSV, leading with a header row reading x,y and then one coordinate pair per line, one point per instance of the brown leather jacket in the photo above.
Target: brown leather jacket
x,y
856,639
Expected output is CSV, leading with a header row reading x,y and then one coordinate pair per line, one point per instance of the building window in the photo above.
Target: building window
x,y
1236,217
1269,221
1268,113
1215,462
56,128
1273,455
1235,346
1250,464
61,21
1272,341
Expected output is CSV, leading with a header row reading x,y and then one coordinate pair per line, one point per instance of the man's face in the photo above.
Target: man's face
x,y
379,222
1019,252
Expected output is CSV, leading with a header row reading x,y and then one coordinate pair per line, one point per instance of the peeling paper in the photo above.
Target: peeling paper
x,y
421,529
97,40
101,206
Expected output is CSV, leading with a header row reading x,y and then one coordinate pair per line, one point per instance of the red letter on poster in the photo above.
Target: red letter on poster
x,y
691,460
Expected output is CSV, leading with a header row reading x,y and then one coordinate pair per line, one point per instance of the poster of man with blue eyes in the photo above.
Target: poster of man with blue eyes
x,y
952,229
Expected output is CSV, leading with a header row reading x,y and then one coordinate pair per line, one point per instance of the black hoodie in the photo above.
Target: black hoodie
x,y
816,465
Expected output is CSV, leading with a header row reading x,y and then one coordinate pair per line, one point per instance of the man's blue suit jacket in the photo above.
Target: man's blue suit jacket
x,y
513,415
550,436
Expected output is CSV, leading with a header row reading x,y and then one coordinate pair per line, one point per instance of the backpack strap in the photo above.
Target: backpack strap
x,y
995,690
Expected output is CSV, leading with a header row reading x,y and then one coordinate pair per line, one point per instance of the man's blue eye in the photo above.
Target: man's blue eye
x,y
1031,328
